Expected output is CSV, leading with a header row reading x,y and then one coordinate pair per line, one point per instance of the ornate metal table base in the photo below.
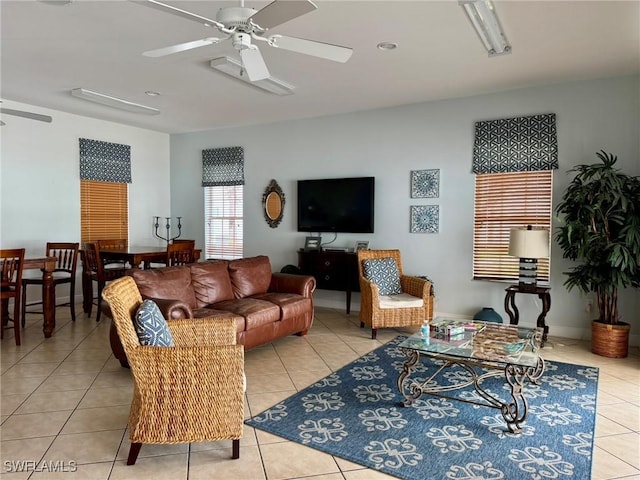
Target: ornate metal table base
x,y
514,412
512,310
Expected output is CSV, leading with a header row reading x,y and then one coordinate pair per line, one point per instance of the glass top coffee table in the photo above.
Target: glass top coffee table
x,y
483,350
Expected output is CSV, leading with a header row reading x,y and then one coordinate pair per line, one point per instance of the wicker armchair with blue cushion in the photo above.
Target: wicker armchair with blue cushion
x,y
188,374
388,298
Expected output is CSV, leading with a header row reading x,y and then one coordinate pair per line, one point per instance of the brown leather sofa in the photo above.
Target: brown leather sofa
x,y
265,305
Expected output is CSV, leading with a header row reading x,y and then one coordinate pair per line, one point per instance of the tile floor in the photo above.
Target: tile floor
x,y
66,399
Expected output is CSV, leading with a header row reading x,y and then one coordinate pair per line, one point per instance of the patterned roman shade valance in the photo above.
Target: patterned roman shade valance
x,y
104,161
222,166
521,144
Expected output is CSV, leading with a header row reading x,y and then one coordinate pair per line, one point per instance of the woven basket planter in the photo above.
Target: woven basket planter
x,y
610,340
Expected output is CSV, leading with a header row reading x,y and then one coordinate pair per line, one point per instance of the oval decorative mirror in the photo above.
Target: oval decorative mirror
x,y
273,204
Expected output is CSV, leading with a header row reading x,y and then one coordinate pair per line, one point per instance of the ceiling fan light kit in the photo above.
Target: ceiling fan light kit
x,y
112,101
234,68
485,21
246,26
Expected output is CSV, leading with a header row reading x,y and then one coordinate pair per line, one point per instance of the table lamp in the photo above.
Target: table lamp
x,y
529,244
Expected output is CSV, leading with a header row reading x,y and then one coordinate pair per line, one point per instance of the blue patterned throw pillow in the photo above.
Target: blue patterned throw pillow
x,y
384,273
151,327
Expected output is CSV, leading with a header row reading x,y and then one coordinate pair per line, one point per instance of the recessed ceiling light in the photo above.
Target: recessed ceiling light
x,y
151,93
387,46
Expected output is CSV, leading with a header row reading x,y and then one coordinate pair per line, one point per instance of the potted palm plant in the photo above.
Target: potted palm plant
x,y
600,229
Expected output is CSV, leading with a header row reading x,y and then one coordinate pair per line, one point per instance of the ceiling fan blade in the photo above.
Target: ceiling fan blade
x,y
336,53
179,12
181,47
278,12
29,115
253,64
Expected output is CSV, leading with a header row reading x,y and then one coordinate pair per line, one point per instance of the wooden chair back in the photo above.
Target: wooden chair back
x,y
180,253
96,269
12,264
113,244
92,261
66,254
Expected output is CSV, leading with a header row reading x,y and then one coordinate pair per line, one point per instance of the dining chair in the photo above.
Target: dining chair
x,y
180,253
66,254
113,244
10,285
98,273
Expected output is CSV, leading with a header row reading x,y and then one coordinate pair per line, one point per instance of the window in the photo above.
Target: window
x,y
223,221
105,170
504,201
223,180
103,210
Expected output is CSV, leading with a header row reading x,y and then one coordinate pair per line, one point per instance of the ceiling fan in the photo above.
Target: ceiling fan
x,y
23,114
243,25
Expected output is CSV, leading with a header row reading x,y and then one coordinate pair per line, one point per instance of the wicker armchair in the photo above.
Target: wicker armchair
x,y
377,316
191,392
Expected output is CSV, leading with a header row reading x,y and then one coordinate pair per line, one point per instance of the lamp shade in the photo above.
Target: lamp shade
x,y
529,243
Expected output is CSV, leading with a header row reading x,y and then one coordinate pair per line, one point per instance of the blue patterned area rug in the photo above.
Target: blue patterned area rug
x,y
355,414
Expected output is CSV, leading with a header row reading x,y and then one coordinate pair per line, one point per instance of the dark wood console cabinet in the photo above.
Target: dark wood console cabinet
x,y
332,271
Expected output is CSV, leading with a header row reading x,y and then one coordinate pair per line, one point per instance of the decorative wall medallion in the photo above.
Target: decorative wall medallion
x,y
425,183
425,218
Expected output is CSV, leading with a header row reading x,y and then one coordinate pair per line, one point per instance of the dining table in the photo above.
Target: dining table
x,y
136,256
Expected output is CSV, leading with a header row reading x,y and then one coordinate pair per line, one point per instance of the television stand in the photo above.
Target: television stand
x,y
333,270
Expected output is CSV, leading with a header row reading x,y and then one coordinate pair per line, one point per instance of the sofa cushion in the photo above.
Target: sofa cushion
x,y
211,282
291,305
215,313
384,273
151,326
166,283
250,276
256,312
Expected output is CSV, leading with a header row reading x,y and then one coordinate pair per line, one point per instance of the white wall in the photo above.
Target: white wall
x,y
388,144
40,184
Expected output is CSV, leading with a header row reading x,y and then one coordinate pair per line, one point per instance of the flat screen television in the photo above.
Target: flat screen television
x,y
343,205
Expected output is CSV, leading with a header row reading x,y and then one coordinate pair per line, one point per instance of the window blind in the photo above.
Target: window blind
x,y
103,210
504,201
223,221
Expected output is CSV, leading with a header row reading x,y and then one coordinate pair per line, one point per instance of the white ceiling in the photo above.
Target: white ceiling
x,y
47,50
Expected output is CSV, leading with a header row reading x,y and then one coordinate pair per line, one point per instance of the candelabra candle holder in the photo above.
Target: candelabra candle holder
x,y
168,238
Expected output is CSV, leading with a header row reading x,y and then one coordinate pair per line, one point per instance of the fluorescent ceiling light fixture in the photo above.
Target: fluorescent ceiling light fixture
x,y
487,25
112,101
233,68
